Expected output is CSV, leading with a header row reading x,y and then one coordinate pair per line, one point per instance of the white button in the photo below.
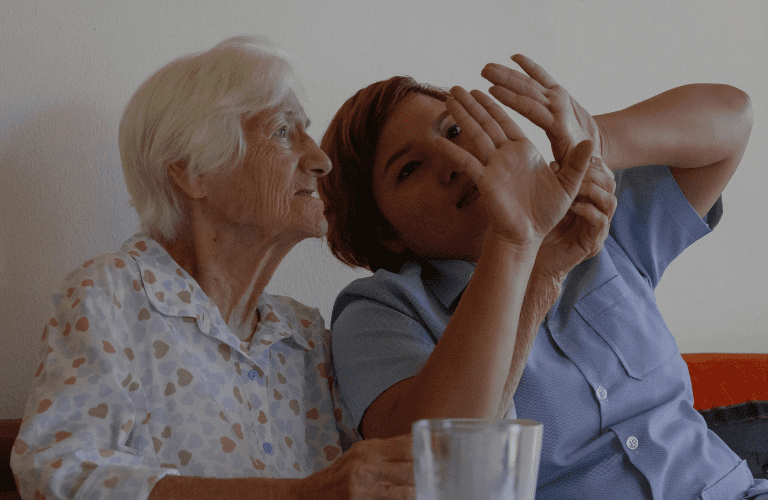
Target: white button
x,y
632,442
601,392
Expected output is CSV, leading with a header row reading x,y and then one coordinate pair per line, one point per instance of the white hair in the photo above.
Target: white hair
x,y
191,112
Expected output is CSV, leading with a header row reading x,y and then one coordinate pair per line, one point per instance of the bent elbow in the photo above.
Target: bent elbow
x,y
738,106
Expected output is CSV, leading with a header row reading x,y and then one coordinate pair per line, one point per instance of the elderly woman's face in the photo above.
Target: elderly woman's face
x,y
272,190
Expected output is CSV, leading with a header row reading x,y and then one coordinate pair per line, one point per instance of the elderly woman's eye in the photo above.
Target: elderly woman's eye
x,y
282,132
453,132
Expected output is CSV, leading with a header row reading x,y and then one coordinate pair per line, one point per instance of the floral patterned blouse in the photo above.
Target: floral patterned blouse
x,y
140,377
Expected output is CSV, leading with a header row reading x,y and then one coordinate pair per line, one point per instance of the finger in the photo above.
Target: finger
x,y
535,71
399,448
589,212
398,473
514,80
599,174
490,128
384,492
598,197
554,166
603,166
506,123
574,167
462,159
387,473
590,218
593,226
608,179
531,109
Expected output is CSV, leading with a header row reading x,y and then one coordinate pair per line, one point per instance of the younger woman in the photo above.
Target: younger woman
x,y
477,277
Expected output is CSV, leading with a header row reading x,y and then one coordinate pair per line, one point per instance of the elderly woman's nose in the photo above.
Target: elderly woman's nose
x,y
314,159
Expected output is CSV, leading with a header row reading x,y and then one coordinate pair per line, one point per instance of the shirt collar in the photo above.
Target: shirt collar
x,y
279,320
447,278
169,288
173,292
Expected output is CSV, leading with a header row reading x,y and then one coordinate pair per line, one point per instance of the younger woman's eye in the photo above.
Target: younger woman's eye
x,y
407,170
453,132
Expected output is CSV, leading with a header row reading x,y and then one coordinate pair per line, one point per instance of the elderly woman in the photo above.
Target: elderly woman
x,y
441,328
166,371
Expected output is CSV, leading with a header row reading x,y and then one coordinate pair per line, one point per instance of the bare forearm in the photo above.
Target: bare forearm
x,y
208,488
543,290
465,375
690,126
480,338
370,469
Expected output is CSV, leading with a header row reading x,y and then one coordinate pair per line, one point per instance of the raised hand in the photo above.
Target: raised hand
x,y
525,198
538,97
582,232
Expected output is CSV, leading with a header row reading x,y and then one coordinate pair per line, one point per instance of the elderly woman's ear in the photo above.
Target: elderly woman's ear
x,y
194,186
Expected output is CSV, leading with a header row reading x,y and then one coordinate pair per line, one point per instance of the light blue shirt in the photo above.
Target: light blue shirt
x,y
604,376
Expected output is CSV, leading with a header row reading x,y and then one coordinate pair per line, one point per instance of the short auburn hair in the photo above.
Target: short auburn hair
x,y
356,227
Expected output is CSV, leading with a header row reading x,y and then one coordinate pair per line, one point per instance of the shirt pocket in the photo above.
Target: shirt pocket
x,y
733,484
630,323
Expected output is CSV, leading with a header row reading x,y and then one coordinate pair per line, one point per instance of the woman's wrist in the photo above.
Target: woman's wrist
x,y
191,487
500,242
547,271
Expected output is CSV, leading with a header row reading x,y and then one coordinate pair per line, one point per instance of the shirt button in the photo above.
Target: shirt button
x,y
253,374
632,442
601,393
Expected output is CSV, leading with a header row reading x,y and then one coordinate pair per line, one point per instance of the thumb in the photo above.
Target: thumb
x,y
574,167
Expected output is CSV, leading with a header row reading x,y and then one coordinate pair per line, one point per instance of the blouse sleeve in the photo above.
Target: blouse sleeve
x,y
376,345
654,222
83,405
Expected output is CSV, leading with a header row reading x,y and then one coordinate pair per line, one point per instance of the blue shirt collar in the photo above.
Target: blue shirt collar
x,y
446,278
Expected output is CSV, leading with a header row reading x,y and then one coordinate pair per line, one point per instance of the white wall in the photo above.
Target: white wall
x,y
67,68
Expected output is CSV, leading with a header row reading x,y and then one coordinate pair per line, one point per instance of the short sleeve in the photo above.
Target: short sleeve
x,y
374,347
654,222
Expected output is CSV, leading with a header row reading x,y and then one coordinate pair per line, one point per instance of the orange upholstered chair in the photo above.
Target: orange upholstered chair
x,y
731,393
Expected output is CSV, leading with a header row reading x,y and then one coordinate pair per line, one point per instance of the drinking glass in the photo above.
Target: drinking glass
x,y
476,459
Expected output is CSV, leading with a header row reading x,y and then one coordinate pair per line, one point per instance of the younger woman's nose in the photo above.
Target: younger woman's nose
x,y
448,175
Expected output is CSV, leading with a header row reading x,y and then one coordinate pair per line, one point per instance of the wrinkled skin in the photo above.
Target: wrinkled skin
x,y
281,160
371,470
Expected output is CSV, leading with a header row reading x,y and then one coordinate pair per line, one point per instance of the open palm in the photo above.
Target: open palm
x,y
524,197
539,98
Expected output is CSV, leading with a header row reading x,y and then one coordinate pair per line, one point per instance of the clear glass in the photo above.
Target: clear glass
x,y
461,459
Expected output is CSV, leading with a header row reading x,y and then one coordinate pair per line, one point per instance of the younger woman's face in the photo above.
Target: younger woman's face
x,y
432,206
